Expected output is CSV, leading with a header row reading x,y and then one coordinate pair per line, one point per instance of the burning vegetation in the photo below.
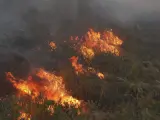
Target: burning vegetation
x,y
45,94
79,69
91,44
51,86
95,42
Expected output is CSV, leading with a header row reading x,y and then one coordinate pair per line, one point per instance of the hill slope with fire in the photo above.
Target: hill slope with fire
x,y
87,77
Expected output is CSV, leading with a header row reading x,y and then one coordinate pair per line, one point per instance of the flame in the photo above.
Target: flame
x,y
55,89
52,88
77,67
24,86
52,45
87,52
95,42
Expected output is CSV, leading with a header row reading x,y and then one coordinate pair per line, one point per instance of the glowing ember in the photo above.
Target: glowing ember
x,y
52,88
52,45
100,75
51,109
94,43
24,116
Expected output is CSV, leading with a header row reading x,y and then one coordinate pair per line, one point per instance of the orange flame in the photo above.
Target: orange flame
x,y
52,88
24,86
94,43
79,69
55,89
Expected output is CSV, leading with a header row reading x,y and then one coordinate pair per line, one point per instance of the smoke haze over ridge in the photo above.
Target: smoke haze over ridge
x,y
54,12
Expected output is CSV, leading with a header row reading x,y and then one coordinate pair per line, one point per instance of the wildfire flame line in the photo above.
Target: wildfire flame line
x,y
94,42
53,88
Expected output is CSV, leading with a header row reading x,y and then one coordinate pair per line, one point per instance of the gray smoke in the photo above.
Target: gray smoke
x,y
38,19
128,11
18,15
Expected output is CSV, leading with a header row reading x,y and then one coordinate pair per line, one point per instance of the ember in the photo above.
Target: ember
x,y
52,45
100,75
24,116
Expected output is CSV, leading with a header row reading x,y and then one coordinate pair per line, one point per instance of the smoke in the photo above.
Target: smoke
x,y
22,14
39,20
53,12
27,25
127,11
